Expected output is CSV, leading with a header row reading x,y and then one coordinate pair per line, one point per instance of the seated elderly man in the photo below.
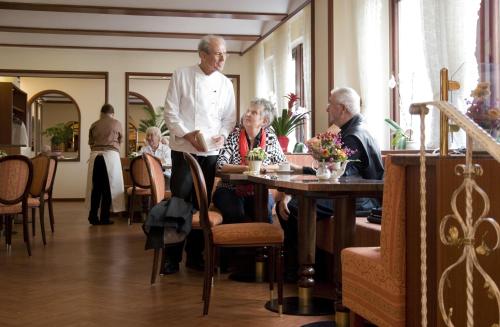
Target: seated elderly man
x,y
236,203
344,112
158,149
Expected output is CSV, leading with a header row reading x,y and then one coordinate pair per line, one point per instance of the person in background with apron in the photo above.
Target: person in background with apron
x,y
104,179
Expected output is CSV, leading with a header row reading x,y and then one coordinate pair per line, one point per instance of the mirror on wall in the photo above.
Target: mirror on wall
x,y
55,123
146,94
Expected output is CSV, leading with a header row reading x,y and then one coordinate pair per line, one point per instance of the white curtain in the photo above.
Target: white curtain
x,y
307,62
449,34
373,64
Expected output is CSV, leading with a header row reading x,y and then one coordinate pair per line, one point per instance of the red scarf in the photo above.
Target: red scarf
x,y
244,144
247,189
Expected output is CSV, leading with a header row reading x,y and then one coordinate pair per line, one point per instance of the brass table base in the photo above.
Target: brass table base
x,y
319,306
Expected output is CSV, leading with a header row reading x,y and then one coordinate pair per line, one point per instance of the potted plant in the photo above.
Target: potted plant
x,y
59,134
288,121
400,138
155,119
255,158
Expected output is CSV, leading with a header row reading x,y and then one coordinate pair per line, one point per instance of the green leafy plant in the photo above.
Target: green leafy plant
x,y
399,136
288,121
155,119
59,134
256,154
3,153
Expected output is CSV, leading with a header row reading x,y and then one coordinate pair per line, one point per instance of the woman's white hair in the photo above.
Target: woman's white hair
x,y
349,98
268,109
153,130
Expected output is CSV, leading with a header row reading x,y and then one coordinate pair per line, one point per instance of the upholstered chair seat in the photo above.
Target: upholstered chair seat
x,y
373,278
247,234
138,191
214,216
10,209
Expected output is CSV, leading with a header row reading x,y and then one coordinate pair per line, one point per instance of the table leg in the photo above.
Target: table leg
x,y
305,304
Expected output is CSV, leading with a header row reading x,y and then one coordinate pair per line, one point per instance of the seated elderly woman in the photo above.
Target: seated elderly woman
x,y
155,147
236,202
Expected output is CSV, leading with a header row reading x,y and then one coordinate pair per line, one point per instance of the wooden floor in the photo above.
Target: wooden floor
x,y
99,276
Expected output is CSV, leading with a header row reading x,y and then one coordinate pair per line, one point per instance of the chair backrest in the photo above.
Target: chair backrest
x,y
392,235
41,164
200,189
139,173
16,172
155,173
51,176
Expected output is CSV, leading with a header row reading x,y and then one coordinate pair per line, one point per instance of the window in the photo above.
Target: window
x,y
431,35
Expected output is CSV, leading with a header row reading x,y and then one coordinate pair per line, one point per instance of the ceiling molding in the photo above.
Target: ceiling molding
x,y
100,48
143,11
263,37
168,35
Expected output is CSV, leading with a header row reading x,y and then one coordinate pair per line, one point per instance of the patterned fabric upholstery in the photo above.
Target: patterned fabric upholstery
x,y
373,278
139,191
247,234
41,165
215,218
51,174
10,209
14,175
33,202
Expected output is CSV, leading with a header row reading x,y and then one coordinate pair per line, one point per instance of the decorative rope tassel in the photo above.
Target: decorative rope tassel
x,y
423,223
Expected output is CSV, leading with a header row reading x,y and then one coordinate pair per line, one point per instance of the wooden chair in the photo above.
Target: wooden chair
x,y
158,194
38,186
141,184
16,173
49,186
234,235
373,278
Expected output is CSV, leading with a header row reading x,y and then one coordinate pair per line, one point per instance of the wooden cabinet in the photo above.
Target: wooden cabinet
x,y
13,107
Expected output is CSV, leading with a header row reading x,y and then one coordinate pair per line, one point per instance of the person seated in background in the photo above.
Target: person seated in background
x,y
156,147
344,113
236,202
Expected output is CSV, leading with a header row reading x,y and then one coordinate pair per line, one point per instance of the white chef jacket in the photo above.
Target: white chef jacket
x,y
196,101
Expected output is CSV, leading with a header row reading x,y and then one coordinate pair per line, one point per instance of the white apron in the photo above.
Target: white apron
x,y
114,169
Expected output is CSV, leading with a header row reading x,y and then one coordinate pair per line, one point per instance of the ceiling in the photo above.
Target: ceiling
x,y
152,25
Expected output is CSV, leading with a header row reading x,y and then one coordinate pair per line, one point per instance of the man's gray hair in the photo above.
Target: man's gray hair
x,y
349,98
268,109
204,44
153,130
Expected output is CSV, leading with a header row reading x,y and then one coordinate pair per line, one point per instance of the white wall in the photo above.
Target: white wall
x,y
71,176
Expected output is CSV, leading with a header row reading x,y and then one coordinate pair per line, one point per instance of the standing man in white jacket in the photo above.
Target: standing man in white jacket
x,y
199,106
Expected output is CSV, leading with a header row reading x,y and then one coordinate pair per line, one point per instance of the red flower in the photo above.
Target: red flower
x,y
292,98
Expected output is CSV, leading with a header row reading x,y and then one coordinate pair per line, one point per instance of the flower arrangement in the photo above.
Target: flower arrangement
x,y
3,153
256,154
134,154
328,146
482,112
289,119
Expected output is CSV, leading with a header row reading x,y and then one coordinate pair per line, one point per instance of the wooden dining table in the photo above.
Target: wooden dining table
x,y
308,188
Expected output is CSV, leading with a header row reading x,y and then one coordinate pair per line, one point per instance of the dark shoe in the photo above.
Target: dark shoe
x,y
107,222
94,221
195,264
169,268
